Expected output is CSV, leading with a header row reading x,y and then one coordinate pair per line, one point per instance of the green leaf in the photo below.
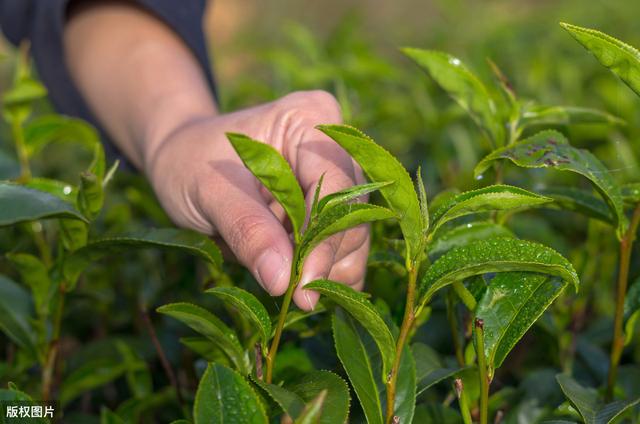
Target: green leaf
x,y
90,195
47,129
339,218
313,411
622,59
109,417
631,310
364,312
247,305
274,172
424,205
552,149
207,324
34,274
60,189
380,166
463,86
495,197
16,314
166,238
73,234
90,375
349,194
493,255
464,234
631,192
587,403
429,368
580,201
567,115
17,101
224,396
138,374
354,357
336,406
21,204
289,402
512,303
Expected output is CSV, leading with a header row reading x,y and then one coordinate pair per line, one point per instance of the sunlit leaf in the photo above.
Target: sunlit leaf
x,y
274,172
551,149
380,166
349,194
493,255
361,310
462,234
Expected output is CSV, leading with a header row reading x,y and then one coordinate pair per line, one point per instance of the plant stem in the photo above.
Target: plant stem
x,y
617,346
405,328
166,366
21,150
465,295
294,279
463,400
453,325
52,349
482,371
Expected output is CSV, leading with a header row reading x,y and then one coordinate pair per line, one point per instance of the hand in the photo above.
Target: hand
x,y
203,185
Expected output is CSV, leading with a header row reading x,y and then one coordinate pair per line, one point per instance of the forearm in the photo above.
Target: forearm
x,y
138,77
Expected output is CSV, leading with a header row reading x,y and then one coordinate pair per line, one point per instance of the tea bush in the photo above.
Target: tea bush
x,y
488,299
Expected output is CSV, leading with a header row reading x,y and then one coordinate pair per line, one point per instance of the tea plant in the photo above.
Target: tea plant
x,y
453,258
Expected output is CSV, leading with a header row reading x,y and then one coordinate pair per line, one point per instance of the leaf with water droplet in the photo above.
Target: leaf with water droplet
x,y
621,59
511,304
493,255
447,239
463,86
225,397
551,149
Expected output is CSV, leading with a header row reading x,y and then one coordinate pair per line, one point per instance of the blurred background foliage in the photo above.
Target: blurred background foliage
x,y
263,50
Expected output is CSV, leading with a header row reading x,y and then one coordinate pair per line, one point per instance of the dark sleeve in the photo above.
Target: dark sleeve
x,y
42,22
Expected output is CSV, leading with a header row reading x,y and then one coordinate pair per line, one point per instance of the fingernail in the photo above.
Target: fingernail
x,y
270,267
304,280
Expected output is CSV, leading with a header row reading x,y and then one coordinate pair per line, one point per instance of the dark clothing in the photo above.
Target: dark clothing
x,y
42,22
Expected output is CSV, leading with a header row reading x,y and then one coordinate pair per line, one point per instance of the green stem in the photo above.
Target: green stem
x,y
453,325
617,346
294,279
405,328
482,371
52,348
21,150
463,401
465,295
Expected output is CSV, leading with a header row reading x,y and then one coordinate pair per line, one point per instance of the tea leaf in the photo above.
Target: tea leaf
x,y
109,417
60,189
494,255
380,166
248,305
511,304
34,274
621,59
21,204
337,219
336,405
166,238
429,368
587,403
312,412
16,315
464,234
274,172
289,402
364,312
631,310
225,397
47,129
207,324
631,192
354,357
463,86
90,195
424,205
552,149
495,197
581,201
567,115
349,194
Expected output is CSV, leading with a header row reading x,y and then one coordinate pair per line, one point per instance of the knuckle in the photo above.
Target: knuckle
x,y
314,103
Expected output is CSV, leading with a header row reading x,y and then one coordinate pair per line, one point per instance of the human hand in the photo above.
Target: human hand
x,y
203,185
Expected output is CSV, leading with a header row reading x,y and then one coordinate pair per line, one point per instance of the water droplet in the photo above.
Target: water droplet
x,y
66,190
454,61
479,177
